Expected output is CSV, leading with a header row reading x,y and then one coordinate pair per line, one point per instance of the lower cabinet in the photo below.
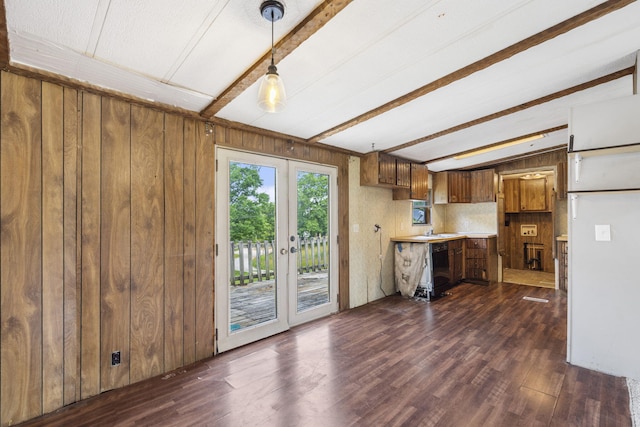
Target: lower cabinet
x,y
456,268
563,267
481,259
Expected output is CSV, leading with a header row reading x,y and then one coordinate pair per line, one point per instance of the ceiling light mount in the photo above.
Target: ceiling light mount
x,y
272,10
271,95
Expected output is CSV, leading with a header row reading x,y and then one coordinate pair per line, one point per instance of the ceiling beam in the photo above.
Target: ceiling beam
x,y
4,37
495,163
560,94
506,53
496,144
305,29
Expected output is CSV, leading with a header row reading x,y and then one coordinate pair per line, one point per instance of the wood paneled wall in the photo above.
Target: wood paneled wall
x,y
514,256
107,244
106,213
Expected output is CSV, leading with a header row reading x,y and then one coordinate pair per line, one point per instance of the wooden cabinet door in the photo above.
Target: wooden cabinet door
x,y
419,188
419,182
483,186
441,188
386,169
511,190
455,260
403,173
459,187
533,194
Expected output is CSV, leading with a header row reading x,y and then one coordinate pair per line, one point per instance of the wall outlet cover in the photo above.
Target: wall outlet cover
x,y
529,230
603,233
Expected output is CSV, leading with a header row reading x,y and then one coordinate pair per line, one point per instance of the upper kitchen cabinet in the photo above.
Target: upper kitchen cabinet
x,y
527,194
419,185
464,187
612,123
384,170
378,169
403,173
459,188
511,190
483,186
533,194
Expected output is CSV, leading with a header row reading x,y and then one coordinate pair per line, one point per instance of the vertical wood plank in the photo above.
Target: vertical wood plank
x,y
147,243
91,242
235,137
173,243
71,226
115,251
189,241
205,168
252,141
21,243
52,247
343,233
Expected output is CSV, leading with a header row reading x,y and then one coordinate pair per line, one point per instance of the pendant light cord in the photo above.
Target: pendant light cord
x,y
273,49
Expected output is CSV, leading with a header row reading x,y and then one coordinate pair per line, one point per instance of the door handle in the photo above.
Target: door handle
x,y
293,250
578,164
283,251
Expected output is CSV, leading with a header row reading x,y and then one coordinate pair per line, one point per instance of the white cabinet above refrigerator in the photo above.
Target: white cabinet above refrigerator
x,y
612,123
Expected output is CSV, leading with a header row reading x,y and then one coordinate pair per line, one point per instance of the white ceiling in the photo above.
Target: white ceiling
x,y
185,54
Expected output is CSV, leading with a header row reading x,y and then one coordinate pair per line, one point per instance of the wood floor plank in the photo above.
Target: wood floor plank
x,y
480,356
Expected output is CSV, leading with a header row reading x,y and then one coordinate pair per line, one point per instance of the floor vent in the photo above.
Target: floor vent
x,y
535,299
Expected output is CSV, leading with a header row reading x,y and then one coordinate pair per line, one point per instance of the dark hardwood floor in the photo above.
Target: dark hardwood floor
x,y
482,356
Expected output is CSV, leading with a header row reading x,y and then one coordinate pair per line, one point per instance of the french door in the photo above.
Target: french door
x,y
276,263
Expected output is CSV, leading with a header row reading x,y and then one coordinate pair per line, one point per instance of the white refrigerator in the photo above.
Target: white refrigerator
x,y
603,317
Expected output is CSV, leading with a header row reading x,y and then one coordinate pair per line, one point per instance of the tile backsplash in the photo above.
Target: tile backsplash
x,y
470,217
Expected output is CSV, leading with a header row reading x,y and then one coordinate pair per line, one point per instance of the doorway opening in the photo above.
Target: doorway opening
x,y
276,230
527,227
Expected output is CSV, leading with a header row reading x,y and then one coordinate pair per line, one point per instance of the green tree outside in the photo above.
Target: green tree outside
x,y
252,214
313,204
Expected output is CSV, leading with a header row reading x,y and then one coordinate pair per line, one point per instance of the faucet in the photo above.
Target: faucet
x,y
429,232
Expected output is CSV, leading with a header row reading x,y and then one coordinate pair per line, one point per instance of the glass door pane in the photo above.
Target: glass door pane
x,y
252,219
251,270
311,290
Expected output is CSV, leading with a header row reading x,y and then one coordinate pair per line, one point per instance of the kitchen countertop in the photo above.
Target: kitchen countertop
x,y
442,237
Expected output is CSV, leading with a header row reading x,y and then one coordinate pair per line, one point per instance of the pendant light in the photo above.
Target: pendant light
x,y
271,95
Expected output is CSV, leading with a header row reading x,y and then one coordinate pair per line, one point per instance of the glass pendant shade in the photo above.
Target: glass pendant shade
x,y
271,96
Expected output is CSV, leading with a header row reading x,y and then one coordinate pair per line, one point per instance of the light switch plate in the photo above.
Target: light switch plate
x,y
603,233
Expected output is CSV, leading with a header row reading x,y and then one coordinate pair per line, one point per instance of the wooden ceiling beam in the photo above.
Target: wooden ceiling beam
x,y
4,37
496,144
305,29
506,53
565,92
495,163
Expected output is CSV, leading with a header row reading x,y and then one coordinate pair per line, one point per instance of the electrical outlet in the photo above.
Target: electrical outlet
x,y
530,230
115,358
